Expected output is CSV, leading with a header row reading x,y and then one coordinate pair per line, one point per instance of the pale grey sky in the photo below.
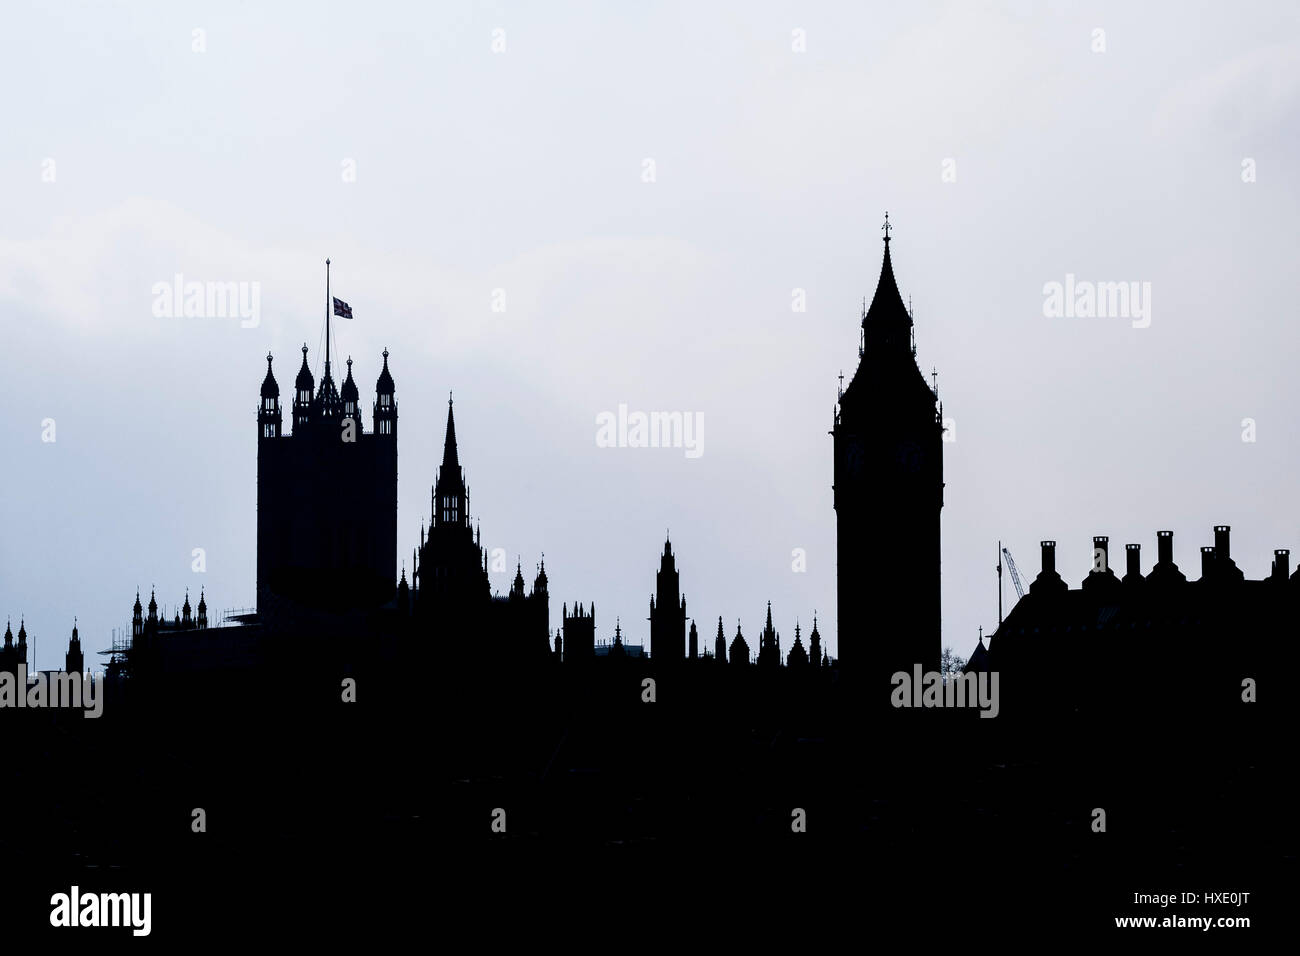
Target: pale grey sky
x,y
522,170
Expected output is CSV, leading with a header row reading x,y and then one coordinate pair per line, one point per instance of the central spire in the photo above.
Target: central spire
x,y
887,306
450,460
450,497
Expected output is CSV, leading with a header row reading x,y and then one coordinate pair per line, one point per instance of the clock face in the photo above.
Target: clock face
x,y
855,459
910,457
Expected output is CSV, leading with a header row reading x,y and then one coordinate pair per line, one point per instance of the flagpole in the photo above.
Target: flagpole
x,y
327,318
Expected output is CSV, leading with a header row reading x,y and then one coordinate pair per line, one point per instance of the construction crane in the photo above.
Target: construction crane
x,y
1015,573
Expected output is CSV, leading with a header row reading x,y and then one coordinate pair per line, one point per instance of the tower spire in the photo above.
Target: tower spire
x,y
450,459
887,306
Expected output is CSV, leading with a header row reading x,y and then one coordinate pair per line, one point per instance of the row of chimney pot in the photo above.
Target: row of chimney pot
x,y
1165,553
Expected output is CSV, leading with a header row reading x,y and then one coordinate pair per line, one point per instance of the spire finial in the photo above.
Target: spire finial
x,y
886,227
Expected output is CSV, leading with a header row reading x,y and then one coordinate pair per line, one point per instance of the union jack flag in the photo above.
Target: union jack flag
x,y
342,309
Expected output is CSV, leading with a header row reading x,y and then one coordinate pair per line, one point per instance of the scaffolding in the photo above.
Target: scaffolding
x,y
238,615
118,652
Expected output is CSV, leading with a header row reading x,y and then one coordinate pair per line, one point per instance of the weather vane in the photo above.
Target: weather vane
x,y
886,227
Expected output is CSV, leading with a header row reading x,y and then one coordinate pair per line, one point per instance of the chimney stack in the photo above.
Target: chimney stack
x,y
1281,563
1207,561
1165,547
1100,554
1133,557
1221,542
1049,556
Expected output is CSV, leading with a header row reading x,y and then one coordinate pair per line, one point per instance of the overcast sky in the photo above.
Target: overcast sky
x,y
434,170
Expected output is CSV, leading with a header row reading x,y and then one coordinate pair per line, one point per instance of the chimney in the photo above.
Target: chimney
x,y
1100,554
1281,563
1049,557
1207,561
1165,547
1133,558
1221,541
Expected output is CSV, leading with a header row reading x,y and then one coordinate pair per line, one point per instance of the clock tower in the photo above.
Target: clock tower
x,y
888,492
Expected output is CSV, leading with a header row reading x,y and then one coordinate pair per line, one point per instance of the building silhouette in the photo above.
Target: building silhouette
x,y
888,492
739,649
158,645
798,657
327,533
326,495
579,633
668,612
326,568
11,655
74,662
555,726
452,595
1153,642
769,643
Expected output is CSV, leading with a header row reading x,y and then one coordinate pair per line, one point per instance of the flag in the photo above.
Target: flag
x,y
342,309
